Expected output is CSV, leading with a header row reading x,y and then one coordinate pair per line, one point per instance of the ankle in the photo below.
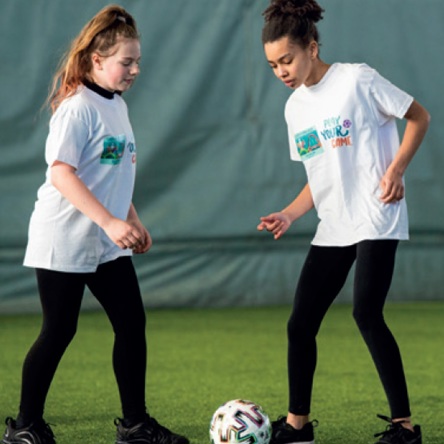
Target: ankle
x,y
297,421
22,422
405,422
131,421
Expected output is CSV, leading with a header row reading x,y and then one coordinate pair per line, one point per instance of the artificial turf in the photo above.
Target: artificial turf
x,y
200,358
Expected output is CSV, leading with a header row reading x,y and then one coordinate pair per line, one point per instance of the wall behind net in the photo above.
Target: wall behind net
x,y
211,142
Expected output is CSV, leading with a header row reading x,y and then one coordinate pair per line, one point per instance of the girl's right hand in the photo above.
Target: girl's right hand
x,y
123,234
276,223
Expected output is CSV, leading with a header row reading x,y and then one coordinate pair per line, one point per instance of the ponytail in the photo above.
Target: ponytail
x,y
99,35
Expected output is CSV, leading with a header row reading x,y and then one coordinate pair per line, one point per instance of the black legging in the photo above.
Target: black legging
x,y
322,277
115,286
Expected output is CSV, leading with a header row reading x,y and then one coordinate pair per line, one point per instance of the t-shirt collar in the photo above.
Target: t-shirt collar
x,y
98,89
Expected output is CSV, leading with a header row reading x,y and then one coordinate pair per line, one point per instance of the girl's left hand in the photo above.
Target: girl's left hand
x,y
145,243
392,187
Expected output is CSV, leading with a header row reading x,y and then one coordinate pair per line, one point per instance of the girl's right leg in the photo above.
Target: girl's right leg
x,y
116,287
61,295
322,277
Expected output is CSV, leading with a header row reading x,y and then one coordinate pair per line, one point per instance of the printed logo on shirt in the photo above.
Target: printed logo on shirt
x,y
308,143
132,150
113,149
337,131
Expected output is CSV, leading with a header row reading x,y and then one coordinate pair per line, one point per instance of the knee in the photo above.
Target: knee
x,y
367,319
58,334
132,334
131,331
298,329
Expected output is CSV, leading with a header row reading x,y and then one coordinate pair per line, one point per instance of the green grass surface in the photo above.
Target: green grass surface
x,y
199,359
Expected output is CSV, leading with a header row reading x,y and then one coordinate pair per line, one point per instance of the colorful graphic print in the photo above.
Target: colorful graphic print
x,y
113,150
336,132
308,143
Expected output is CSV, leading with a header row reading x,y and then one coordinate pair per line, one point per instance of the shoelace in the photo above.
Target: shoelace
x,y
153,429
45,430
282,421
391,429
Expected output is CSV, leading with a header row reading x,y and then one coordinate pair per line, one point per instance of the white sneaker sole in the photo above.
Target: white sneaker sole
x,y
302,442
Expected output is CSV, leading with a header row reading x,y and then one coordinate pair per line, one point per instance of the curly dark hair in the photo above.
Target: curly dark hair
x,y
295,19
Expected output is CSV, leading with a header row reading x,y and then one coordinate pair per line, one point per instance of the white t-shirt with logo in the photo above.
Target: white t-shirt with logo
x,y
93,134
344,131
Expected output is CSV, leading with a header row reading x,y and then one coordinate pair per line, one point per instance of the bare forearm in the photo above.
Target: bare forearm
x,y
79,195
124,234
418,120
301,205
132,213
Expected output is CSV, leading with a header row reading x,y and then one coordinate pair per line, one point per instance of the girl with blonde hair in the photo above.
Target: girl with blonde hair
x,y
84,228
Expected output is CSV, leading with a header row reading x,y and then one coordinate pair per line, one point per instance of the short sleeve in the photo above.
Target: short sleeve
x,y
294,154
68,135
388,100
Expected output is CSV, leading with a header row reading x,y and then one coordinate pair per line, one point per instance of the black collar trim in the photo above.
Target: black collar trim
x,y
98,89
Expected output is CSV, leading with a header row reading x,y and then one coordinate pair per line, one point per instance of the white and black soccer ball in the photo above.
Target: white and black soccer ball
x,y
240,422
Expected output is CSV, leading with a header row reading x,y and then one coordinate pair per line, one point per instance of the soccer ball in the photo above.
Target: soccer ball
x,y
240,421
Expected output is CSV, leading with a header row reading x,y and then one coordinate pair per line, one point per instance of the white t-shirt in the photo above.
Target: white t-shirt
x,y
93,134
344,131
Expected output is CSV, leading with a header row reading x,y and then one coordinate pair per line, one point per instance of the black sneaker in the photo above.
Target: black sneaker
x,y
36,433
283,433
147,432
395,433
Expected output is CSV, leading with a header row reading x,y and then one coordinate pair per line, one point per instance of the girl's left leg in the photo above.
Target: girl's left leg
x,y
116,287
375,262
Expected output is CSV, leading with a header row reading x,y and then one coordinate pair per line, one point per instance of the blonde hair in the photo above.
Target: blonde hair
x,y
99,35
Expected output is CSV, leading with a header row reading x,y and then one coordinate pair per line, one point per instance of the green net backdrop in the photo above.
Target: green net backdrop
x,y
212,146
